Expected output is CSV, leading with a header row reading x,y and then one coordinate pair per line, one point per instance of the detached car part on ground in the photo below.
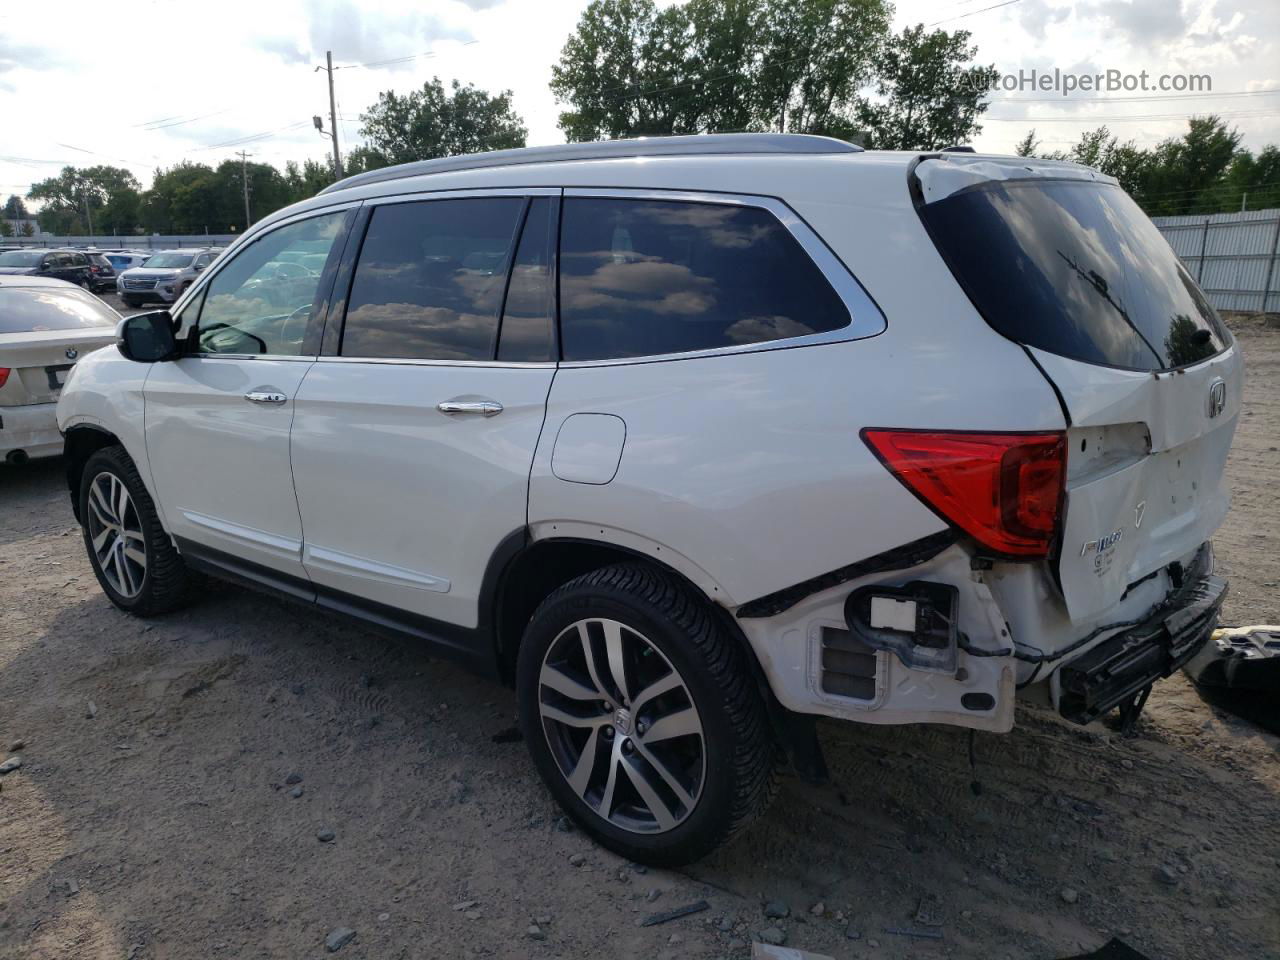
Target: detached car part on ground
x,y
691,440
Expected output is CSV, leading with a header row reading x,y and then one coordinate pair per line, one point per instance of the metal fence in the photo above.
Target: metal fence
x,y
156,242
1231,255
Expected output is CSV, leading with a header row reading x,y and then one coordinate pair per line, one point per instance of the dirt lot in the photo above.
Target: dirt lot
x,y
152,816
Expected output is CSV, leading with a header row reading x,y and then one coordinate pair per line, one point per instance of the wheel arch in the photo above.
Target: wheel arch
x,y
80,443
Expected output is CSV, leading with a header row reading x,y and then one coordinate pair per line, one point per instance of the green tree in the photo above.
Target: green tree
x,y
1184,171
105,196
6,230
26,230
632,69
14,208
431,122
817,56
1028,145
933,94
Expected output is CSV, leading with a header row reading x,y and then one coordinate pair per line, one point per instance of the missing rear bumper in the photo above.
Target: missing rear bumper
x,y
1120,667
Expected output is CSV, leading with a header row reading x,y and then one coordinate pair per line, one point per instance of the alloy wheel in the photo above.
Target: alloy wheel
x,y
622,726
115,534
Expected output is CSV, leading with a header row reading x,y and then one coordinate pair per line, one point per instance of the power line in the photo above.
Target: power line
x,y
974,13
394,60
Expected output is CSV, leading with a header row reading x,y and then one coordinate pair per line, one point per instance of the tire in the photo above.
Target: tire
x,y
159,583
725,771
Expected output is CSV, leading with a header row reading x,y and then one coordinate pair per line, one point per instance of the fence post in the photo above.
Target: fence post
x,y
1271,265
1204,243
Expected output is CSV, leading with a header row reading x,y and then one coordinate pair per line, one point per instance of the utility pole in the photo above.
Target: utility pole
x,y
244,180
333,115
84,193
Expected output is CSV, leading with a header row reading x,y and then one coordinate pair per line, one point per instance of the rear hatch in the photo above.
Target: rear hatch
x,y
1059,259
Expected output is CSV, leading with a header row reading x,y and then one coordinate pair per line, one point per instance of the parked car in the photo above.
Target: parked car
x,y
45,327
103,273
122,260
70,265
693,440
164,277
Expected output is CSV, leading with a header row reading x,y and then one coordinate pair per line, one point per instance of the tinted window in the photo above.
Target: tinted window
x,y
1075,269
528,316
27,309
248,309
79,260
430,280
644,277
21,258
170,261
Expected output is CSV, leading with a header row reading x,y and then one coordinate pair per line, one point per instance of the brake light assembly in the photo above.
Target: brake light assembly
x,y
4,375
1005,490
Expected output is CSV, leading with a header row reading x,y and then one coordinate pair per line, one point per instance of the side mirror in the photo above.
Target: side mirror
x,y
46,265
147,337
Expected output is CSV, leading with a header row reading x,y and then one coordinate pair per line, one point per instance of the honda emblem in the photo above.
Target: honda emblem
x,y
1217,397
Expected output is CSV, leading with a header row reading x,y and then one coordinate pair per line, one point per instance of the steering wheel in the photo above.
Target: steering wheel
x,y
302,313
262,344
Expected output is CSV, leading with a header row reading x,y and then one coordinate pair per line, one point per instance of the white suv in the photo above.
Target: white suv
x,y
691,440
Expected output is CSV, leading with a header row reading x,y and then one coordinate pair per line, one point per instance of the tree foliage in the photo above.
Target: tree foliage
x,y
433,122
14,208
1203,171
932,92
801,66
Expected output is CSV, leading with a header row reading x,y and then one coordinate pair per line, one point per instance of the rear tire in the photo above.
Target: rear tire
x,y
642,716
136,563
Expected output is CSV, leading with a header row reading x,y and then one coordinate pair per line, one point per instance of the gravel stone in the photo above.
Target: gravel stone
x,y
293,778
1069,895
1167,875
13,763
535,932
296,792
338,938
652,895
17,745
852,933
773,935
776,910
577,859
325,835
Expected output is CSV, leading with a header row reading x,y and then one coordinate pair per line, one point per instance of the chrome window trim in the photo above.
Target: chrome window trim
x,y
865,317
425,196
410,362
233,251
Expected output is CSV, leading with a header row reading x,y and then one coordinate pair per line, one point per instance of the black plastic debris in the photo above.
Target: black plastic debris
x,y
1113,949
1239,658
676,914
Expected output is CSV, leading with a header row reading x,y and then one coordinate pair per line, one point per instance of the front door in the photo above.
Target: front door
x,y
412,444
218,419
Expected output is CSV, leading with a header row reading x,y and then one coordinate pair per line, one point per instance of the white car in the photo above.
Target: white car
x,y
692,440
46,325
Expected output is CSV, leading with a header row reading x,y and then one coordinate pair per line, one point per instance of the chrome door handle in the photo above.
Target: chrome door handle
x,y
265,396
486,408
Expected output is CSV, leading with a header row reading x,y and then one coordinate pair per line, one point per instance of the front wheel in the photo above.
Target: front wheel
x,y
642,716
135,562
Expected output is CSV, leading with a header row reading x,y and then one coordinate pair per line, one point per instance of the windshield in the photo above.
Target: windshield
x,y
21,258
1074,268
34,309
169,261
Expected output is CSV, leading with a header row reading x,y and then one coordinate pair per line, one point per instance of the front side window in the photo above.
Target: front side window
x,y
648,277
250,307
430,279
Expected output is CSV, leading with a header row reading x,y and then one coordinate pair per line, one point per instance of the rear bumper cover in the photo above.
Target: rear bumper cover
x,y
1126,663
31,428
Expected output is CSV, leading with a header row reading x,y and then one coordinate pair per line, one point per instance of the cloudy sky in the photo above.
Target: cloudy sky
x,y
147,83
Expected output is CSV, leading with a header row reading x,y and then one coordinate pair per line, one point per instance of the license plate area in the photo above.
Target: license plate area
x,y
57,376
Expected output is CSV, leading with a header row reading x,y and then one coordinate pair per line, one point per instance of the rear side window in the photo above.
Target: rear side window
x,y
648,277
528,315
430,279
1074,268
28,309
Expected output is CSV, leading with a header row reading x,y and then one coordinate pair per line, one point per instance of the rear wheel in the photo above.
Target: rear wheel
x,y
134,560
642,716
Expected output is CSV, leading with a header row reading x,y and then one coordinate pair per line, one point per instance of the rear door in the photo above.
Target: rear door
x,y
414,435
218,418
1149,377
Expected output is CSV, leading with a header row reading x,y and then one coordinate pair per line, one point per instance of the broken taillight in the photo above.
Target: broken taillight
x,y
1003,489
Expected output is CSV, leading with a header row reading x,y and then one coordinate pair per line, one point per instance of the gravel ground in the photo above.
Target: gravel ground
x,y
248,779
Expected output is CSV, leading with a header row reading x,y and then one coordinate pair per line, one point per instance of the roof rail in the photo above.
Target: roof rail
x,y
682,146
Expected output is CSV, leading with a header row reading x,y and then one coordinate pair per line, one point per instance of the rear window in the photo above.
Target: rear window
x,y
28,309
648,277
21,258
169,261
1074,268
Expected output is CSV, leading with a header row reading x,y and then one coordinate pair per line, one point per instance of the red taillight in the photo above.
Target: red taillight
x,y
1003,489
4,376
